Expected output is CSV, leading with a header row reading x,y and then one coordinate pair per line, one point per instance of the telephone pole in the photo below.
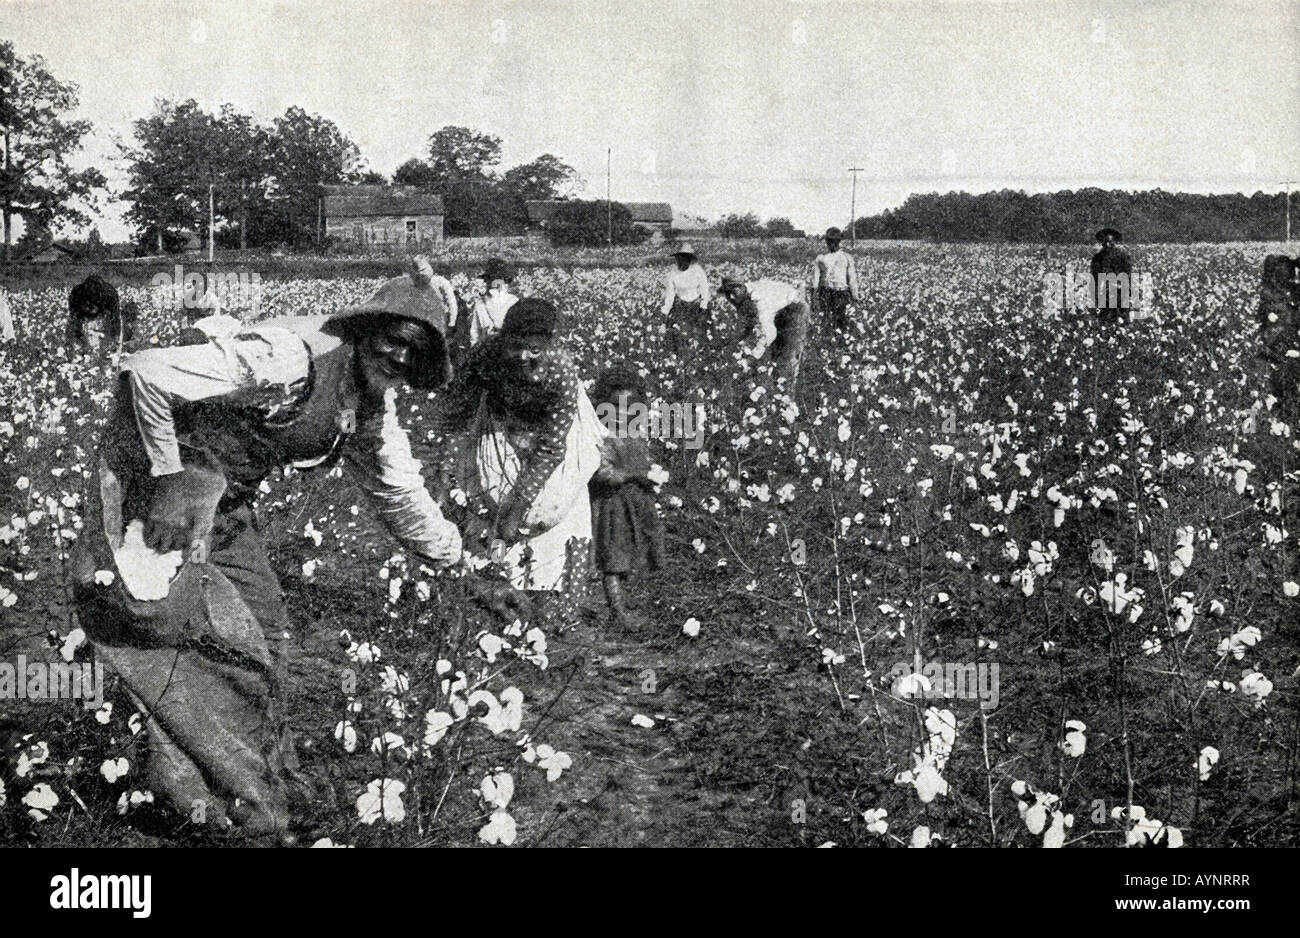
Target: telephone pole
x,y
853,205
609,206
211,223
1288,209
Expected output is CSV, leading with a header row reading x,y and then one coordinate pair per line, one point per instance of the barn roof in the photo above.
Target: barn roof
x,y
540,212
49,253
363,201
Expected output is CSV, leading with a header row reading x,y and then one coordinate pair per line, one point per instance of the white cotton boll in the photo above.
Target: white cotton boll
x,y
146,573
1208,758
382,800
1256,686
113,769
500,829
1237,643
1035,818
346,733
74,641
1075,741
1054,838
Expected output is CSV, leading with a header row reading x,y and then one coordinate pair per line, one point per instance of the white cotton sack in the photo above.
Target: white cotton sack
x,y
146,573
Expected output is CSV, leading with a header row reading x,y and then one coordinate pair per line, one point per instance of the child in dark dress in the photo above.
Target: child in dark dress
x,y
625,523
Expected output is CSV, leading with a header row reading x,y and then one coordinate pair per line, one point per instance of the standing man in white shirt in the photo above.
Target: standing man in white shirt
x,y
686,297
776,317
835,281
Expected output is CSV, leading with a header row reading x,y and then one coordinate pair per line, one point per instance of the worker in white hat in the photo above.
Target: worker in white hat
x,y
686,296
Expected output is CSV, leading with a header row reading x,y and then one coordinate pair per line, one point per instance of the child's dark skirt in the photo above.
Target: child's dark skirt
x,y
628,532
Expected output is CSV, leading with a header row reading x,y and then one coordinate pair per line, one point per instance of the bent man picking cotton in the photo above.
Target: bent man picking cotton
x,y
193,432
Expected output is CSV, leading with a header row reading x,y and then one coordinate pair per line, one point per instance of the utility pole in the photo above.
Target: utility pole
x,y
1288,210
609,206
853,206
211,223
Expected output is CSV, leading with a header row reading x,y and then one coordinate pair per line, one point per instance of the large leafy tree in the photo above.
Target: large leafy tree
x,y
546,177
265,180
36,182
594,224
309,152
458,153
740,226
461,167
415,173
180,151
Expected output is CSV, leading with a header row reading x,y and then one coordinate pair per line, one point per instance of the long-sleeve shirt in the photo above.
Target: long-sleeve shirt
x,y
489,314
835,270
448,294
769,297
689,285
269,371
538,415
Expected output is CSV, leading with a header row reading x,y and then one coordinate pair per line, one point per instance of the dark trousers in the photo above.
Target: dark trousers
x,y
687,322
835,306
786,350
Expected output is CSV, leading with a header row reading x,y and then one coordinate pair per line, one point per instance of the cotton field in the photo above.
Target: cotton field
x,y
994,573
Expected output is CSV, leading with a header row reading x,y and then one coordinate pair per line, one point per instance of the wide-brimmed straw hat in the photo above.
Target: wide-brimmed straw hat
x,y
1109,233
685,248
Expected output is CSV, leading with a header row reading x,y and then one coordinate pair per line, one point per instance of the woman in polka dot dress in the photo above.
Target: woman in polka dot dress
x,y
511,445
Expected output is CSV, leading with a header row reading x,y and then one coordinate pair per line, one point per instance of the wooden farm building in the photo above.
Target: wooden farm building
x,y
397,217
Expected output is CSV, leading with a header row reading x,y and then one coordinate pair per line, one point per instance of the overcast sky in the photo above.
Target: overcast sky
x,y
728,105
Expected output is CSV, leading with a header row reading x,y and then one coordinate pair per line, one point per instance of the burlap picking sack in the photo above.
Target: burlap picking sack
x,y
194,662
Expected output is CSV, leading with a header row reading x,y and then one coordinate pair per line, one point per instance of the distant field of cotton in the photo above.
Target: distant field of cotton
x,y
994,573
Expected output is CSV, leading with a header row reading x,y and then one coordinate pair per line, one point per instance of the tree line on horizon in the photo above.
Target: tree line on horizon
x,y
266,180
1151,215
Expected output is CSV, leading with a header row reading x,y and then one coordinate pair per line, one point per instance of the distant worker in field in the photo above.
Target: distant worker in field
x,y
489,312
1112,278
97,318
835,281
686,298
775,316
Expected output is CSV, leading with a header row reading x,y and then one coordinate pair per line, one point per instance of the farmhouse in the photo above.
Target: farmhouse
x,y
656,216
52,253
398,217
